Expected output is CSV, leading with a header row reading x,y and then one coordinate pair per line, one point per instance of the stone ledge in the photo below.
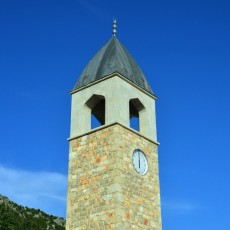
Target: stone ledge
x,y
112,124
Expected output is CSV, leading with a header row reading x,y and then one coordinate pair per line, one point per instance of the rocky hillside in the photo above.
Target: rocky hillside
x,y
17,217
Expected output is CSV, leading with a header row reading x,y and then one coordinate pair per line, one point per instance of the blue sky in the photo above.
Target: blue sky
x,y
183,49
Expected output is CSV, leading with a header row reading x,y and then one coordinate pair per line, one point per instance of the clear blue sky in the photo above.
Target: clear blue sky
x,y
183,48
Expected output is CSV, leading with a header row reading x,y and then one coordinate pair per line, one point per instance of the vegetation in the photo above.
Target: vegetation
x,y
17,217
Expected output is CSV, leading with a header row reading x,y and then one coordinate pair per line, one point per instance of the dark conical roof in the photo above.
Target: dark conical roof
x,y
113,57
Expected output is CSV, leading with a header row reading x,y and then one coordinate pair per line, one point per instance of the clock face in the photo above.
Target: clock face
x,y
140,162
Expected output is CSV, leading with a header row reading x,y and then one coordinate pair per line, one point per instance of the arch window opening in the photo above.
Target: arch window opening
x,y
134,123
133,117
135,106
97,105
98,114
94,122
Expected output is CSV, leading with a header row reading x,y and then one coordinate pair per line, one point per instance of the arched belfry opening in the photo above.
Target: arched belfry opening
x,y
135,108
96,104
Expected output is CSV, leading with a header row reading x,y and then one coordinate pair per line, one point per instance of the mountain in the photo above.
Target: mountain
x,y
17,217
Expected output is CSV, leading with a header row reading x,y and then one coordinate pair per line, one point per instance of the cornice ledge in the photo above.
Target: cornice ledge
x,y
114,74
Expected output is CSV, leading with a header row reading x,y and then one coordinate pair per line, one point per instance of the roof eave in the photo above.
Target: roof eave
x,y
151,94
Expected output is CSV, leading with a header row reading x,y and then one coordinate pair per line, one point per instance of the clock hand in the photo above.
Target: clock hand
x,y
139,160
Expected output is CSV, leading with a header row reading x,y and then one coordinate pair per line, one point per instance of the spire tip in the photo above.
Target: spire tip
x,y
114,27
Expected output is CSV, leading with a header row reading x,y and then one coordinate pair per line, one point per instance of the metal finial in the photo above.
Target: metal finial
x,y
114,27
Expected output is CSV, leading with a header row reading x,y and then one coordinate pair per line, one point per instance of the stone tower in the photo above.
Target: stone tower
x,y
113,179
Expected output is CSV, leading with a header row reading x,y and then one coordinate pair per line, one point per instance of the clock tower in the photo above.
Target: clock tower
x,y
113,178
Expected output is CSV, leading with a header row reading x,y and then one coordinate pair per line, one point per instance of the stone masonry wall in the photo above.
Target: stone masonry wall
x,y
104,190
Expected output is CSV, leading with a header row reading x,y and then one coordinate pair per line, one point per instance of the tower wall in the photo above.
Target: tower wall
x,y
105,191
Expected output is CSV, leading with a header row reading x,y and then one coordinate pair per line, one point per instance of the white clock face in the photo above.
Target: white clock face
x,y
140,162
